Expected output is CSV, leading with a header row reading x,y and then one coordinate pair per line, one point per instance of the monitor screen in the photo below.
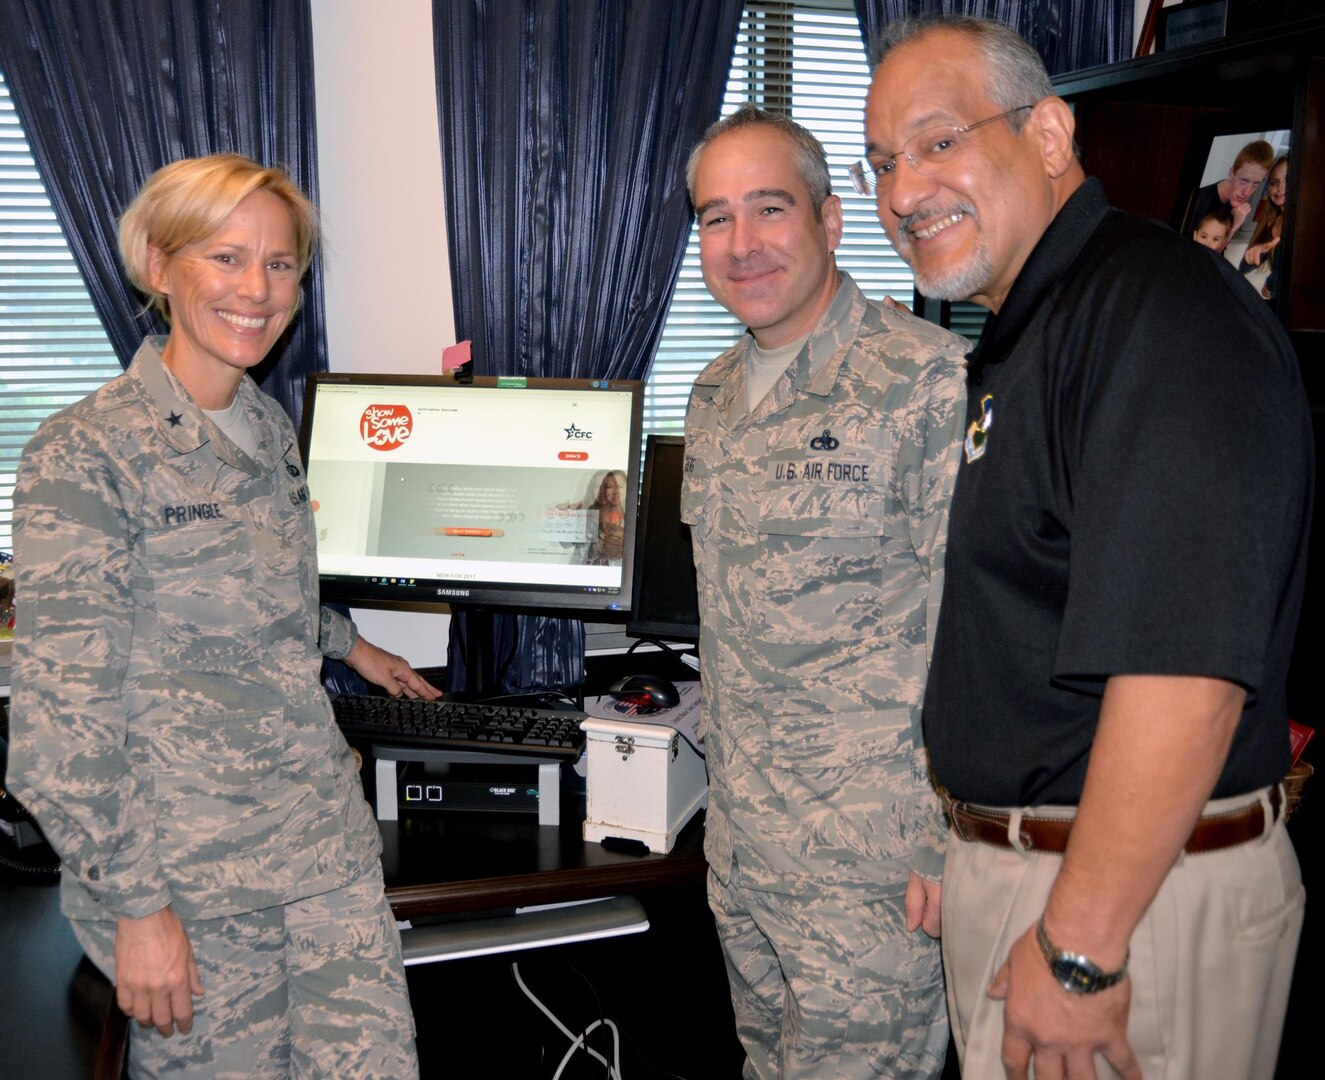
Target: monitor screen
x,y
510,492
665,603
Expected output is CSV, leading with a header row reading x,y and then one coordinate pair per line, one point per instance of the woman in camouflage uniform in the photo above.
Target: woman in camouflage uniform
x,y
171,733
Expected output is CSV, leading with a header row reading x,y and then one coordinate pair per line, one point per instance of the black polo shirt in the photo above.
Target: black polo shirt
x,y
1136,500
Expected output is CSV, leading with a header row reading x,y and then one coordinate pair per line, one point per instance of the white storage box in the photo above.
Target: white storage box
x,y
644,782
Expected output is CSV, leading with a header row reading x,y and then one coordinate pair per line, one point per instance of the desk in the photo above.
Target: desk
x,y
449,863
665,983
441,862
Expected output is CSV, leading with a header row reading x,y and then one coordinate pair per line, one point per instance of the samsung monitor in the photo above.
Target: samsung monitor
x,y
665,601
501,492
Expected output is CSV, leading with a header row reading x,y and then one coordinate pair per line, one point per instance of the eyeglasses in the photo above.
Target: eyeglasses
x,y
927,152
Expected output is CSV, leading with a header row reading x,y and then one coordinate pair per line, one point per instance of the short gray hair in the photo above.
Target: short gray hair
x,y
811,161
1016,74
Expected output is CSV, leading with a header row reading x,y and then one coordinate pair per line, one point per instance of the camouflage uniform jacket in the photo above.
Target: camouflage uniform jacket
x,y
819,524
170,730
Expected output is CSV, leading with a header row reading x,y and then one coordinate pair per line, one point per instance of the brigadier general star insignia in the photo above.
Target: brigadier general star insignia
x,y
977,432
175,419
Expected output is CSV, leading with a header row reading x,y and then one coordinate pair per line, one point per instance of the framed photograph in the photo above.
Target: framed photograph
x,y
1237,202
1190,23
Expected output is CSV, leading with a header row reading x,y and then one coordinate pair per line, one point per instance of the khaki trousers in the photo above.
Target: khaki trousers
x,y
1211,960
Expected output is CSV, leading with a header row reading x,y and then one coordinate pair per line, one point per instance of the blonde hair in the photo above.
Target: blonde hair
x,y
188,200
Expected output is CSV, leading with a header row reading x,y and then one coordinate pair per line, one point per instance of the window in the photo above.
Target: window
x,y
804,58
53,350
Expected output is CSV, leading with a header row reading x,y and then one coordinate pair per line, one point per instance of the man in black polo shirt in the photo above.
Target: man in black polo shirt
x,y
1125,567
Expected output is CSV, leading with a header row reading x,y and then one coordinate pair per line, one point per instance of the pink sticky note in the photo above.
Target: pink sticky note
x,y
453,356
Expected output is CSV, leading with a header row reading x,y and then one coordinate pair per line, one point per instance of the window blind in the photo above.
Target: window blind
x,y
53,349
805,59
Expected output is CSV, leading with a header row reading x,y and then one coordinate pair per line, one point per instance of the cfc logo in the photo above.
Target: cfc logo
x,y
384,427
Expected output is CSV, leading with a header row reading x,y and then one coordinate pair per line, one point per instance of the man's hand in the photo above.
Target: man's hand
x,y
156,978
389,671
1240,213
1060,1031
922,905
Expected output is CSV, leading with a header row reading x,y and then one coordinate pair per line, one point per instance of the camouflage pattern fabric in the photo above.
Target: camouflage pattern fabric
x,y
314,988
831,987
170,732
819,523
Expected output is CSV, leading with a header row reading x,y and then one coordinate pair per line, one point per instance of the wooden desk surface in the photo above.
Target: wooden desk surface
x,y
440,862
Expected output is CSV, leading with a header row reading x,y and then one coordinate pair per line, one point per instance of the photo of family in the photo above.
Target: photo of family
x,y
1239,208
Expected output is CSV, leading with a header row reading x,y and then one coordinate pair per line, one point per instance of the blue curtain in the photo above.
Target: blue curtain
x,y
109,91
1068,34
565,127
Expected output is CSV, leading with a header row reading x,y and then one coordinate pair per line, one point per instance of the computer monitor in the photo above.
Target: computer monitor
x,y
497,492
665,601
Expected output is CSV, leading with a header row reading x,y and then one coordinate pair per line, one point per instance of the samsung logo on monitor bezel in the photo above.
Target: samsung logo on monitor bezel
x,y
452,592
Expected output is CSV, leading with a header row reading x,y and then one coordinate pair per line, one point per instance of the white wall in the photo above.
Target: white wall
x,y
388,283
384,254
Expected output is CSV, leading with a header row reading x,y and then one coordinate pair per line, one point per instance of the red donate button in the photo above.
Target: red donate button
x,y
574,455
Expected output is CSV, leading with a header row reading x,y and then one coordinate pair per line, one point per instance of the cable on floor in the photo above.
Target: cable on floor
x,y
577,1041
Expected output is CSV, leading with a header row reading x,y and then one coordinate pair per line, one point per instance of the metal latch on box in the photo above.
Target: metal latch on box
x,y
625,746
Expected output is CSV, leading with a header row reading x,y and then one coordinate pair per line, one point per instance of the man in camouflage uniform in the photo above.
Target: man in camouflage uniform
x,y
173,739
820,457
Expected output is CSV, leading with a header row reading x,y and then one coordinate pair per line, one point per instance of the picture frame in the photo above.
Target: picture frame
x,y
1190,23
1237,192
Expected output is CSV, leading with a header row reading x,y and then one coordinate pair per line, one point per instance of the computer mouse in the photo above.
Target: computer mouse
x,y
646,689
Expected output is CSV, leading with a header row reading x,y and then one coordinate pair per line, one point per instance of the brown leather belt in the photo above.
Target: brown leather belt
x,y
1050,834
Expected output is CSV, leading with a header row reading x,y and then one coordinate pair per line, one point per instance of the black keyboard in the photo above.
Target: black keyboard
x,y
457,725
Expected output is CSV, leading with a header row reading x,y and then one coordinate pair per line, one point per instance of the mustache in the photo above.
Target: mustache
x,y
921,217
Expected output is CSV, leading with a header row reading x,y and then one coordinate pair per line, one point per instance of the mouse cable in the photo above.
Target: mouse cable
x,y
675,654
577,1041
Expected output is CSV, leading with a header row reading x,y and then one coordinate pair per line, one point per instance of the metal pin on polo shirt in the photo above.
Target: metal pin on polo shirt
x,y
977,432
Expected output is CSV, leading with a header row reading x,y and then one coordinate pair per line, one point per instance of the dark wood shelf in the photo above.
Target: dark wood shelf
x,y
446,862
1138,120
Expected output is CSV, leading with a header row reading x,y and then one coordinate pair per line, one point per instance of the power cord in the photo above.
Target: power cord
x,y
654,1067
675,654
576,1041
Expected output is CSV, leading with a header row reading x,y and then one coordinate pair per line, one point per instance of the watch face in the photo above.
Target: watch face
x,y
1080,976
1074,975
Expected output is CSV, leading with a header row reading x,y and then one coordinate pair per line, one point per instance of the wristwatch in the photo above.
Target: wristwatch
x,y
1074,972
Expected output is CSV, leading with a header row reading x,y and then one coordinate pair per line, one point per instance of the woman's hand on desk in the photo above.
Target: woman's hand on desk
x,y
156,978
389,671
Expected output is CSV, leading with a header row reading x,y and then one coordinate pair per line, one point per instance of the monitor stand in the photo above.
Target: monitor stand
x,y
483,682
477,645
